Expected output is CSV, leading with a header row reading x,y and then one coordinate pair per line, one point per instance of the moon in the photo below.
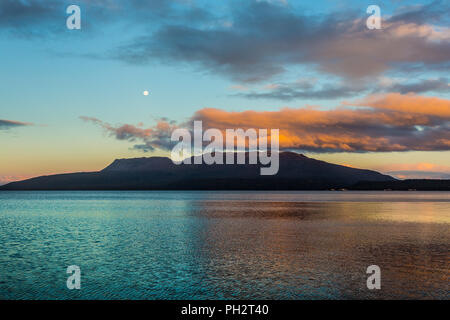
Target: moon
x,y
145,93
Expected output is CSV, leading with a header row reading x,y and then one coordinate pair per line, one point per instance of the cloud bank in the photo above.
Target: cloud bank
x,y
377,123
310,89
264,40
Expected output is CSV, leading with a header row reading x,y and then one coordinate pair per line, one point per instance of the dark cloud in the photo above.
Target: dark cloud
x,y
47,18
7,124
29,17
293,91
436,85
38,18
250,41
157,136
311,90
264,40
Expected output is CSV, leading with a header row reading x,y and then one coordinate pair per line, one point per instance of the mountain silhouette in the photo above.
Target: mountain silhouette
x,y
296,172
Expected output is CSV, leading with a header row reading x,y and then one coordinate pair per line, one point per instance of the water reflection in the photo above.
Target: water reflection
x,y
213,245
321,250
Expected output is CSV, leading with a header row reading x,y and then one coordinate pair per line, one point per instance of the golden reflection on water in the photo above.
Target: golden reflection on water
x,y
321,250
421,212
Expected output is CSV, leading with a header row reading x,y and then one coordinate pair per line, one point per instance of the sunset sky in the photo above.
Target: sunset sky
x,y
72,100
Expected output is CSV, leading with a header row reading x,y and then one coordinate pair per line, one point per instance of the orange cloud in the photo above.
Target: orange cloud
x,y
429,32
408,103
421,166
391,122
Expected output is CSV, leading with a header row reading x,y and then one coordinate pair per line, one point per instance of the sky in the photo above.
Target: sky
x,y
72,100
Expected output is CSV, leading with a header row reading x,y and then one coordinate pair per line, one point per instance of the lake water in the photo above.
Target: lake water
x,y
224,245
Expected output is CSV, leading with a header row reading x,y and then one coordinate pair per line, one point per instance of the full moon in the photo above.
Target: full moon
x,y
145,93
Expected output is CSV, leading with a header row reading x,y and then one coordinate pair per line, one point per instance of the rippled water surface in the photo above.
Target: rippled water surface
x,y
224,245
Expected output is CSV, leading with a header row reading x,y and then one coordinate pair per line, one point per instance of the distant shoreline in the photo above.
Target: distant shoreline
x,y
430,188
297,173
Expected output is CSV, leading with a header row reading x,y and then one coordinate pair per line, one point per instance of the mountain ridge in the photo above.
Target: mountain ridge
x,y
296,172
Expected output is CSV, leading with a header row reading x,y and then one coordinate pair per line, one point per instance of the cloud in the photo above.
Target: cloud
x,y
7,124
266,40
157,136
434,85
19,12
32,18
381,123
340,130
252,41
302,90
421,170
435,12
305,89
418,174
420,166
42,18
407,103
